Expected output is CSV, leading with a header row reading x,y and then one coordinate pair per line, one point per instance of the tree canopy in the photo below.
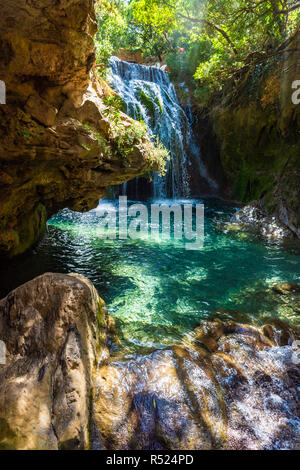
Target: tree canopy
x,y
206,39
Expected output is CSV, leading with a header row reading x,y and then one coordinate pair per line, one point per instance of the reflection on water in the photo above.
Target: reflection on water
x,y
159,291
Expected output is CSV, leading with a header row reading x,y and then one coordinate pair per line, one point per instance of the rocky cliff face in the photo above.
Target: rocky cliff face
x,y
256,126
60,146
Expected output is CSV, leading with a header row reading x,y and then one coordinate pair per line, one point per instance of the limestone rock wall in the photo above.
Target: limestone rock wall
x,y
58,145
256,128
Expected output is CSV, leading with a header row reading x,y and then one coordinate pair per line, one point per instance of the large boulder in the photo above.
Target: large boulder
x,y
54,329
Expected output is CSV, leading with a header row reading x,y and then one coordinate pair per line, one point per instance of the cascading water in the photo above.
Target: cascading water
x,y
150,96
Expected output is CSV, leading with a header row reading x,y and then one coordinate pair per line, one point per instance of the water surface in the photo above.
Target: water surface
x,y
158,291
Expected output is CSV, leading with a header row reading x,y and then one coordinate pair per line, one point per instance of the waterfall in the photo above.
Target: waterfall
x,y
150,96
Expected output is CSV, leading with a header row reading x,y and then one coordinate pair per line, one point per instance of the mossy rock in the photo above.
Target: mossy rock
x,y
149,103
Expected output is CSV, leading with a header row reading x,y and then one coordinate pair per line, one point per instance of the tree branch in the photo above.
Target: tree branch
x,y
289,10
208,23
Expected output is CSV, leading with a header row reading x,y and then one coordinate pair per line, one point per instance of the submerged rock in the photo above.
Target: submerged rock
x,y
287,289
54,328
253,217
228,386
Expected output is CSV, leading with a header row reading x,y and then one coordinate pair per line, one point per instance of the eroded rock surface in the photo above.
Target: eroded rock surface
x,y
59,145
54,329
228,386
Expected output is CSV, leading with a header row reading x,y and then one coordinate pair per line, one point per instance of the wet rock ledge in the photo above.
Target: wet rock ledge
x,y
226,386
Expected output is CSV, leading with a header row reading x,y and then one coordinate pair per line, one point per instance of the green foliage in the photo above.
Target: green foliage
x,y
101,139
205,39
198,52
154,22
116,102
131,25
162,155
237,34
203,42
125,138
216,34
125,135
112,28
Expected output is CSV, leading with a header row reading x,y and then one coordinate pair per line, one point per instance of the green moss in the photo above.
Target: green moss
x,y
30,229
147,102
260,161
101,139
93,131
161,110
23,133
7,436
116,102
